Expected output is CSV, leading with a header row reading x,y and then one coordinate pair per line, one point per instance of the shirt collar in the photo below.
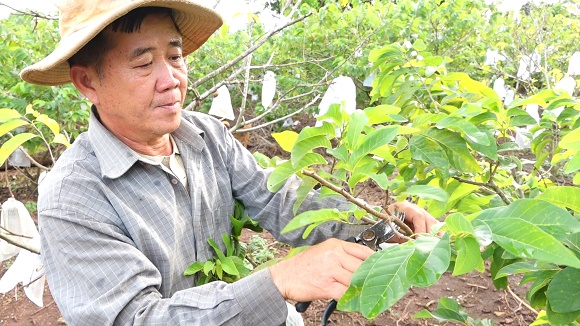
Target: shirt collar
x,y
115,158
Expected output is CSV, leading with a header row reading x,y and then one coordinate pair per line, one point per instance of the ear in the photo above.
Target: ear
x,y
85,79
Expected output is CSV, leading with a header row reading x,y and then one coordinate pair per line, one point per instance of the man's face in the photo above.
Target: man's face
x,y
141,90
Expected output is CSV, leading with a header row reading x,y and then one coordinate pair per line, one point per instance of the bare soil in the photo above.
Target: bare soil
x,y
475,291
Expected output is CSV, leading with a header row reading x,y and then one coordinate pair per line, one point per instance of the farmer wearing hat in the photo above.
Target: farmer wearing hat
x,y
135,199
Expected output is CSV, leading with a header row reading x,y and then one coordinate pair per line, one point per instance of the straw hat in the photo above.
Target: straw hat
x,y
82,20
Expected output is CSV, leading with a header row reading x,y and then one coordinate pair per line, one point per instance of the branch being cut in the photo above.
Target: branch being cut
x,y
382,215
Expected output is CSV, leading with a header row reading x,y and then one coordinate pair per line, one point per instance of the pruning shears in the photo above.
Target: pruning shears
x,y
372,237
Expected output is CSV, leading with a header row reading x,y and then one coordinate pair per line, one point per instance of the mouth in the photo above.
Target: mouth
x,y
174,105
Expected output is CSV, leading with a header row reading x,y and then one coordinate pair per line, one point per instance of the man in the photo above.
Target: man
x,y
133,201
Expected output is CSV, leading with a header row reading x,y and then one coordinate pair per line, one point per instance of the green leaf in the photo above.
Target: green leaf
x,y
193,268
302,192
61,139
563,196
468,256
50,123
372,141
571,141
315,216
424,149
461,158
380,113
522,267
229,266
526,240
447,310
286,169
9,114
379,282
429,261
302,148
561,319
11,125
12,144
358,121
471,131
458,225
286,139
490,150
564,291
427,192
550,218
208,267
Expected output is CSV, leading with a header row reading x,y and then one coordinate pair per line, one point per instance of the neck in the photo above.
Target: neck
x,y
156,147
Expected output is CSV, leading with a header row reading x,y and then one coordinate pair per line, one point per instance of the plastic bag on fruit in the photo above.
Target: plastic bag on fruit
x,y
15,224
27,269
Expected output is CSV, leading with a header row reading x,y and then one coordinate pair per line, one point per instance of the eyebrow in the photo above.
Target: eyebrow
x,y
140,51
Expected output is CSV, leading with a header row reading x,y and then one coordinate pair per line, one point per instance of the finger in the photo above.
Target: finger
x,y
350,263
357,250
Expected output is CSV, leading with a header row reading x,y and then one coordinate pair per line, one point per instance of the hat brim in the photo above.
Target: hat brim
x,y
196,24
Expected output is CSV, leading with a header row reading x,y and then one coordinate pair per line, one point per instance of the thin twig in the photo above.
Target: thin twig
x,y
489,184
279,119
29,13
385,216
521,301
14,234
248,51
19,244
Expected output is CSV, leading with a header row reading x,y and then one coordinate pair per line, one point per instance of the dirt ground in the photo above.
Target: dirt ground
x,y
475,291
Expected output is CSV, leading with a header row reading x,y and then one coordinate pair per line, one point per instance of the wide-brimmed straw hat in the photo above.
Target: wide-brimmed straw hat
x,y
82,20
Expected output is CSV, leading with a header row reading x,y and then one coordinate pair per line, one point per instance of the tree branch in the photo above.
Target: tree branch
x,y
385,216
19,244
246,53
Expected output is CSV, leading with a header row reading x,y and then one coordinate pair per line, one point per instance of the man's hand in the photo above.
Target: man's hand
x,y
320,272
418,219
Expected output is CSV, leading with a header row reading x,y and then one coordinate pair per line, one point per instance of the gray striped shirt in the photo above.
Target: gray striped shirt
x,y
117,233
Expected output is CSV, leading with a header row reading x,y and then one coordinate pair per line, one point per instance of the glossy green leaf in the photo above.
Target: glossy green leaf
x,y
571,141
561,319
286,139
358,121
468,256
372,141
286,169
429,261
564,291
522,267
462,125
447,310
563,196
302,148
550,218
315,216
427,192
12,144
461,157
458,225
425,149
9,114
50,123
526,240
10,125
379,282
193,268
380,113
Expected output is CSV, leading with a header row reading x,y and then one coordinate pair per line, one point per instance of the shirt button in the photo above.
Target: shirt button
x,y
174,181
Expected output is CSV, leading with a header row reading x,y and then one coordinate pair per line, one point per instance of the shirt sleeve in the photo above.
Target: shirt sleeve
x,y
98,277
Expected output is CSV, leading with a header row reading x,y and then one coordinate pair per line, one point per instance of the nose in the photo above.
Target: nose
x,y
167,77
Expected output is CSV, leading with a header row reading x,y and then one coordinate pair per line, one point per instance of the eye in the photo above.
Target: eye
x,y
176,57
145,65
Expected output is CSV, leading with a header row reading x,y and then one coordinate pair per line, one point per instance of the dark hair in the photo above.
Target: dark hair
x,y
93,53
